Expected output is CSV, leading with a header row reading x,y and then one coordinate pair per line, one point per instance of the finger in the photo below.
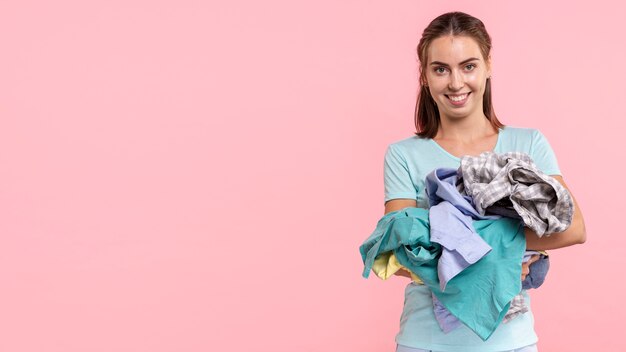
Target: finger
x,y
533,258
525,270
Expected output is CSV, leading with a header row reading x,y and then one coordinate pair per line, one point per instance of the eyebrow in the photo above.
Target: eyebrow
x,y
461,63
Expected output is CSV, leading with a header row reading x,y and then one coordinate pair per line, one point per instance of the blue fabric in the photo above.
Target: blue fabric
x,y
503,209
441,186
538,271
451,215
446,320
406,164
479,296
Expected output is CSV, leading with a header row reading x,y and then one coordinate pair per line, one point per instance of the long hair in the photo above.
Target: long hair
x,y
427,119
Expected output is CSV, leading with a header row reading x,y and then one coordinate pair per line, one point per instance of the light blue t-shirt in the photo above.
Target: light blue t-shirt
x,y
407,162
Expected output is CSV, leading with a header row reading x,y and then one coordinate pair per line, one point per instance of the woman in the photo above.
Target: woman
x,y
454,117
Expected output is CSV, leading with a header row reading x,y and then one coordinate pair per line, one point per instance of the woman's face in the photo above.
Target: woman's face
x,y
456,73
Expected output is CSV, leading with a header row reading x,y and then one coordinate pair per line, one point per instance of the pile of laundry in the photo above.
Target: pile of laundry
x,y
468,246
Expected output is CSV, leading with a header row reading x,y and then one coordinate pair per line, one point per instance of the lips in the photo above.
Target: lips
x,y
458,99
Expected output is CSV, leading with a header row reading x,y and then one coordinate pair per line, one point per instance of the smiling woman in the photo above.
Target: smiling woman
x,y
454,117
452,77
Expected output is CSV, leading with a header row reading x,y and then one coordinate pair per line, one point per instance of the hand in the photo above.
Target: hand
x,y
526,266
403,272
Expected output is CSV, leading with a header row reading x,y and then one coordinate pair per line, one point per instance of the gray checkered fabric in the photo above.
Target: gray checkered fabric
x,y
518,306
542,202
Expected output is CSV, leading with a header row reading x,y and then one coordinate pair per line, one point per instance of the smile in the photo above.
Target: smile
x,y
458,99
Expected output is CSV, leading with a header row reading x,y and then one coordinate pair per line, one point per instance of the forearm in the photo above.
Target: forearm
x,y
555,240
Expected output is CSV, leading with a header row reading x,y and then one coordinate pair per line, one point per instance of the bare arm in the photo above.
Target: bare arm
x,y
575,234
397,204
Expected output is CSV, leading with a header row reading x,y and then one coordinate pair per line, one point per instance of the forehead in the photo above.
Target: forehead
x,y
453,49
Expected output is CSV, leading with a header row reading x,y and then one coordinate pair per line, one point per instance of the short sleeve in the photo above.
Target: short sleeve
x,y
543,155
397,177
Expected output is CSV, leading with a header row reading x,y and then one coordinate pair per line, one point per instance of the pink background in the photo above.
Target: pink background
x,y
184,176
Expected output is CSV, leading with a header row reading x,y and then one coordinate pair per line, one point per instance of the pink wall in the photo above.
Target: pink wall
x,y
177,176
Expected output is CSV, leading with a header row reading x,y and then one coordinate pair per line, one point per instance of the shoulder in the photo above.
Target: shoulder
x,y
520,132
532,142
409,144
520,139
410,150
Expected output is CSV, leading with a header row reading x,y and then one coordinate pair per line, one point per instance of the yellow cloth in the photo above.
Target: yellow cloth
x,y
386,264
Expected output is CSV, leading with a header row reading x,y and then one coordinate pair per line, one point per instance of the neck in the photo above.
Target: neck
x,y
466,129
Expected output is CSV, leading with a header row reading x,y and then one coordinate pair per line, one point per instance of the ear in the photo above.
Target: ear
x,y
488,62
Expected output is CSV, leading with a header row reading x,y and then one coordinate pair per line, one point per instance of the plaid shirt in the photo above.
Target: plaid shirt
x,y
512,179
518,306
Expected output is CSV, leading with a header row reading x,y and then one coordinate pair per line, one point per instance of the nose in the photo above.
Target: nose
x,y
456,81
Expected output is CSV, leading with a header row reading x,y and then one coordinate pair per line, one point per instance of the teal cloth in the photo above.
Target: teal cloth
x,y
406,164
480,295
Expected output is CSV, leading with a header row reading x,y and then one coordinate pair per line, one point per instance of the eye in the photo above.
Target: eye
x,y
440,69
470,67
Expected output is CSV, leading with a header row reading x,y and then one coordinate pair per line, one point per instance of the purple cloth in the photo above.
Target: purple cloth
x,y
447,321
451,215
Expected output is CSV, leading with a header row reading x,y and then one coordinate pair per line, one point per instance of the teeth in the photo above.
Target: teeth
x,y
458,98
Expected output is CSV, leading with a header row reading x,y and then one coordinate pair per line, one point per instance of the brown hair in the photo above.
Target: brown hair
x,y
427,118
